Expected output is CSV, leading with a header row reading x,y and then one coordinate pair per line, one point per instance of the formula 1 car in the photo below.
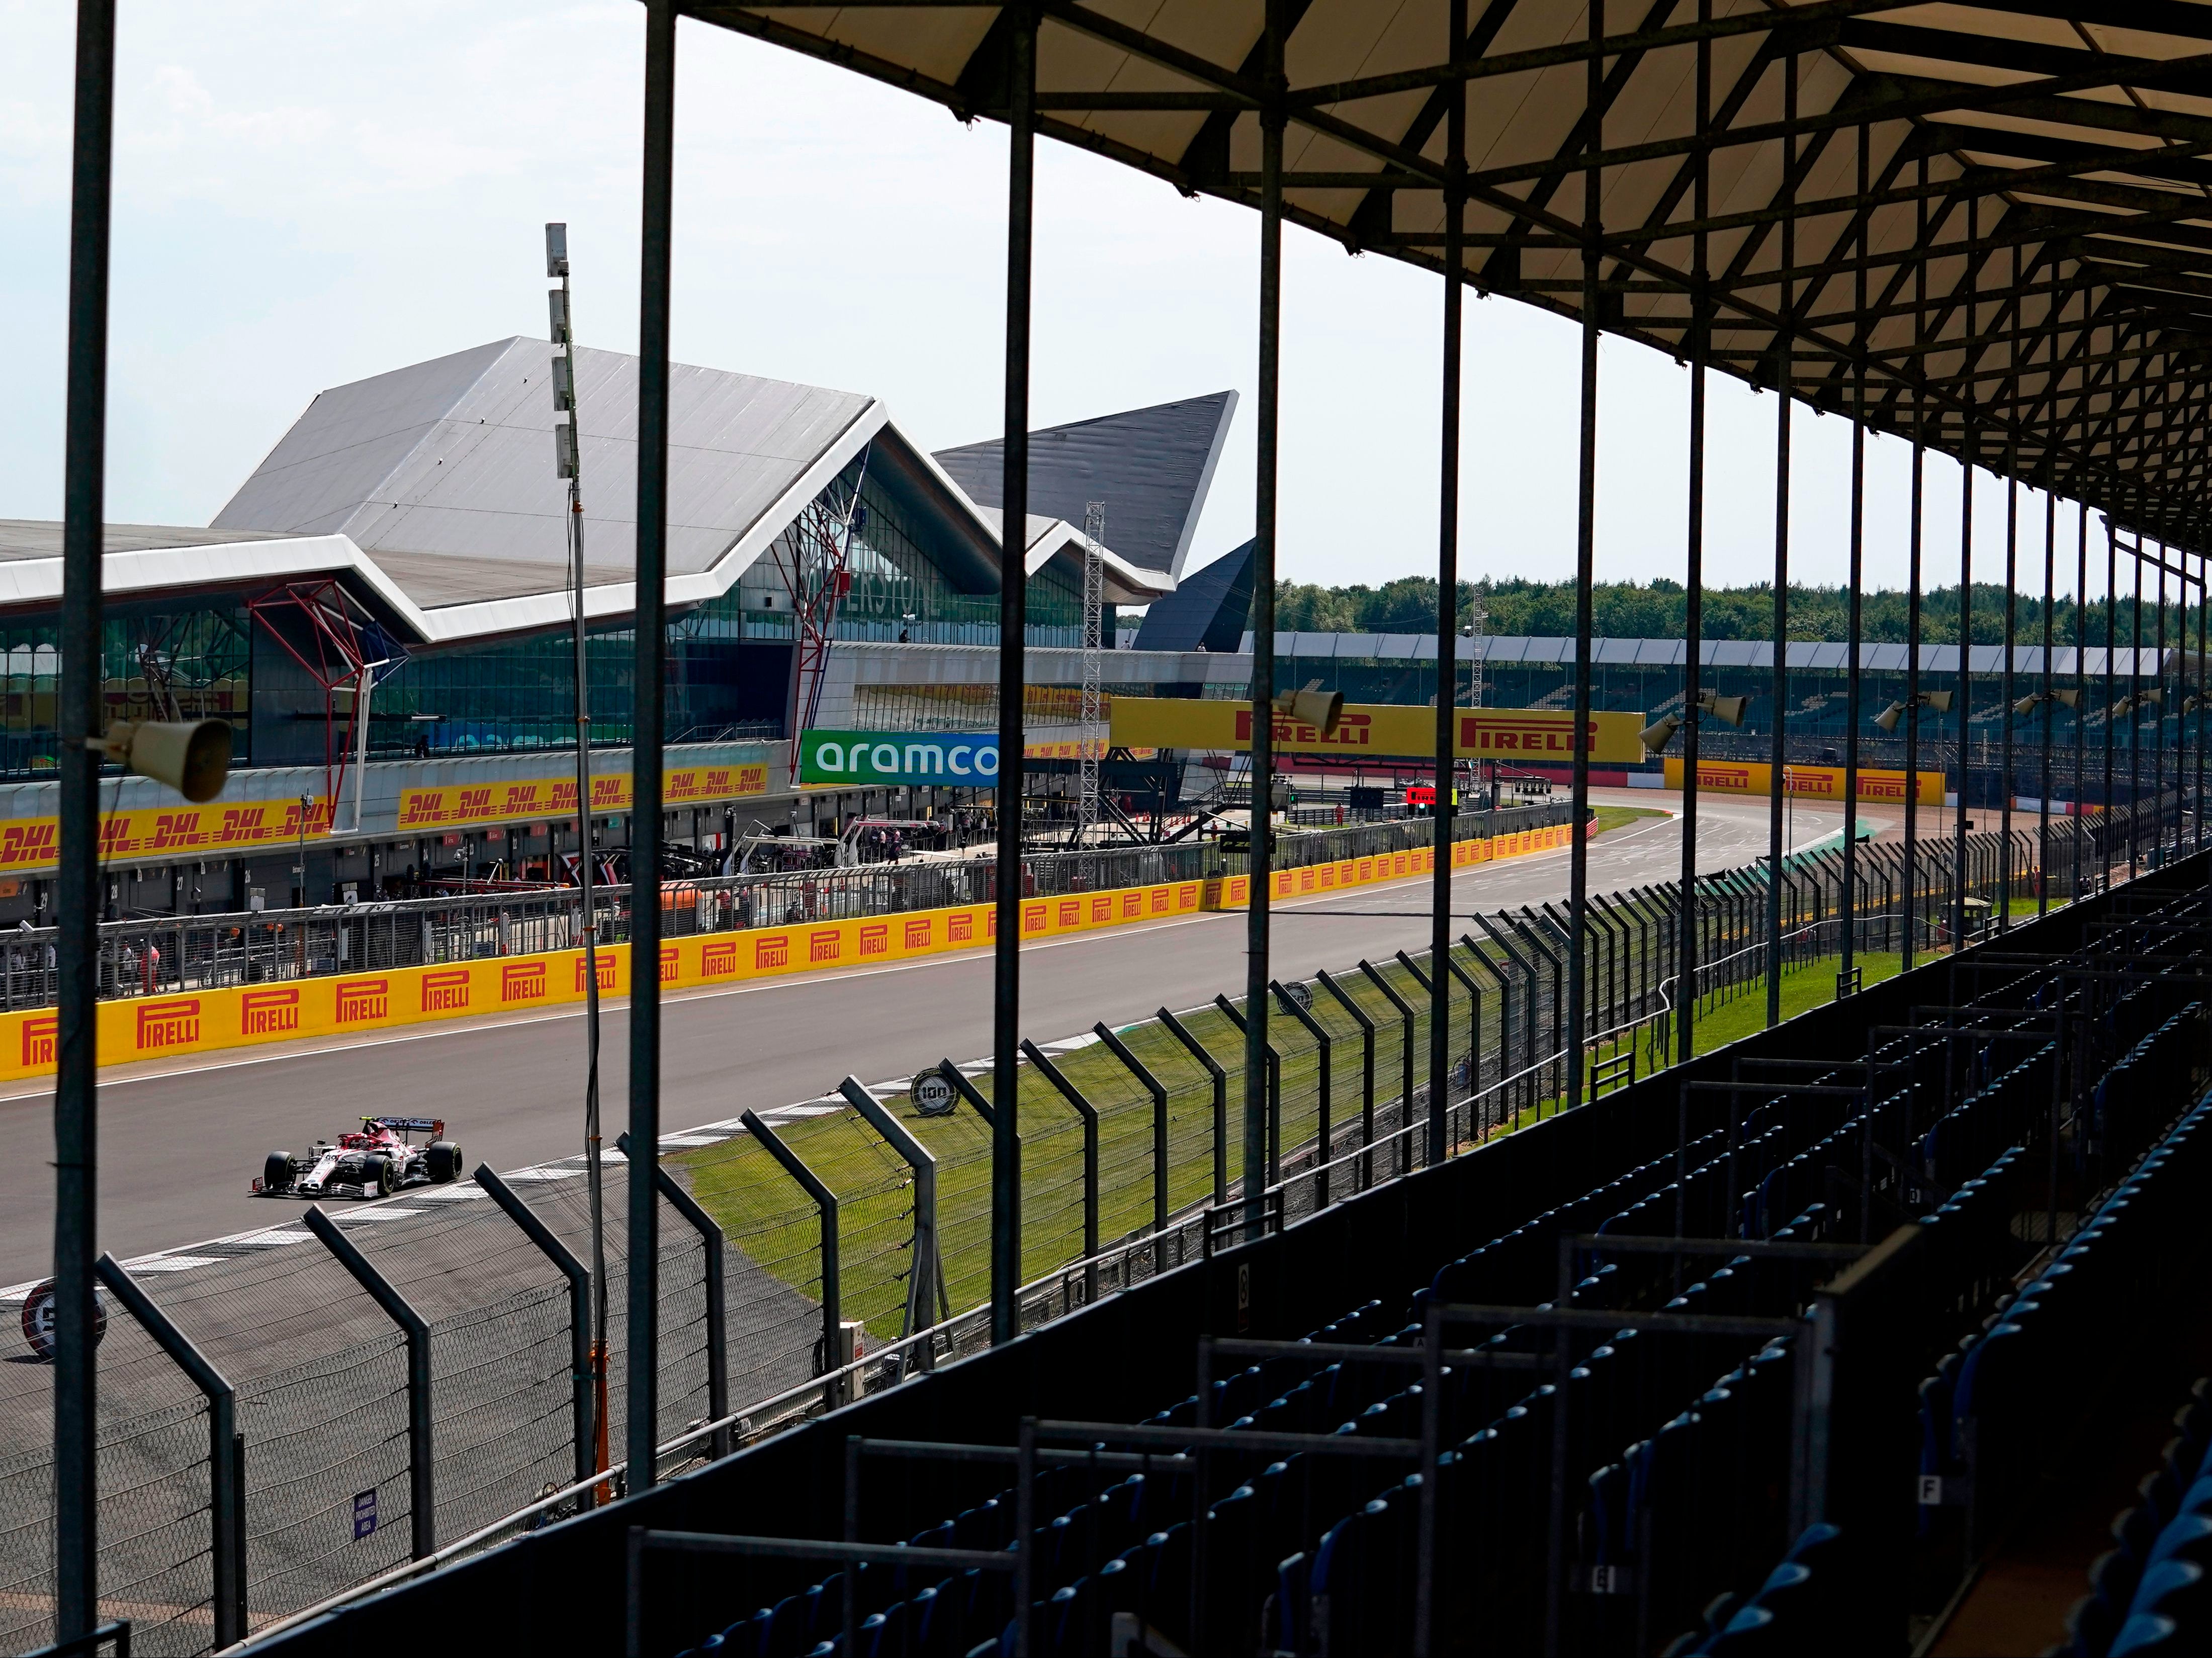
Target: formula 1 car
x,y
374,1164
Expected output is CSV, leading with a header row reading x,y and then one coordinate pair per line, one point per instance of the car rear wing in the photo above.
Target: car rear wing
x,y
425,1125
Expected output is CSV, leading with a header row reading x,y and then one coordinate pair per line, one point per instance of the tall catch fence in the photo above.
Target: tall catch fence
x,y
170,955
1146,1172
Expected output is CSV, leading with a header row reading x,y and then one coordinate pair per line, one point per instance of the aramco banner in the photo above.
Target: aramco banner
x,y
872,759
1380,730
1807,782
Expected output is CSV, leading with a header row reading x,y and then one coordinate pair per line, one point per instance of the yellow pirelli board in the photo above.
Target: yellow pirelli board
x,y
142,1027
1380,730
1806,782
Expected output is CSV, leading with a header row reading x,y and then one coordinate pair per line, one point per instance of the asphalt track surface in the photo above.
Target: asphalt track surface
x,y
180,1141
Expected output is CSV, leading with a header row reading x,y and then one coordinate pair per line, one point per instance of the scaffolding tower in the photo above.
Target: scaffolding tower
x,y
1092,747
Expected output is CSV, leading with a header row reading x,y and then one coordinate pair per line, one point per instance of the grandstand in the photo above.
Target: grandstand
x,y
1767,1354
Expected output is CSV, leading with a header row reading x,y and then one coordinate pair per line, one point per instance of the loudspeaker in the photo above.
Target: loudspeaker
x,y
1658,734
192,756
1320,709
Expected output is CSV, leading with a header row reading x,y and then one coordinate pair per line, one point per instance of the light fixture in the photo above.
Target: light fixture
x,y
192,756
557,250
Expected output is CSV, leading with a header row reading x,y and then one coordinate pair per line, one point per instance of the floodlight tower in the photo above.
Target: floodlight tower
x,y
567,448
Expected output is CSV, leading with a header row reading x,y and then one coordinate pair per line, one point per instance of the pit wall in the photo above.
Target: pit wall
x,y
138,1027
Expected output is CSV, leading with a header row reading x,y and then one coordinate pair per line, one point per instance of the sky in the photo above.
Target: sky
x,y
310,195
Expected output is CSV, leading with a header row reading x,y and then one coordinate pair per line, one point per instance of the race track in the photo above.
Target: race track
x,y
180,1141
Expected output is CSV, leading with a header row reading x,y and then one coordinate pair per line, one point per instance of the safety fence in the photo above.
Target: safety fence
x,y
838,1252
173,955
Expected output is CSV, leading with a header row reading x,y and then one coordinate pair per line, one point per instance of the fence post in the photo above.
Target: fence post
x,y
422,1470
1157,1089
970,1092
1534,940
1088,1113
1473,1023
718,1318
825,1202
1406,1018
925,1283
1273,1173
580,1315
1366,1074
1505,1013
1320,1036
1220,1102
226,1458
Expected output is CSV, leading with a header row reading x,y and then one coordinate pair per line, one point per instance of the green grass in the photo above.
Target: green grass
x,y
1804,987
764,1213
1614,816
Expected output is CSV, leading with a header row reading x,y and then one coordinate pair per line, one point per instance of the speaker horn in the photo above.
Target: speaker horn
x,y
1320,709
1886,719
192,756
1729,710
1658,734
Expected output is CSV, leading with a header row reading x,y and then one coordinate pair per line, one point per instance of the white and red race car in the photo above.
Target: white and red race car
x,y
374,1164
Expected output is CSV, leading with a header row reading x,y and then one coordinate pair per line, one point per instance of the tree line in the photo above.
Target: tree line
x,y
1659,609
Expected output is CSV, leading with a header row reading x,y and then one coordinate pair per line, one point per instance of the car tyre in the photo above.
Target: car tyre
x,y
386,1182
445,1158
276,1172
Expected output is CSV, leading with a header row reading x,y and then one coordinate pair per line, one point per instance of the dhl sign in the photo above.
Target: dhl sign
x,y
556,796
151,1028
1379,730
149,832
1806,782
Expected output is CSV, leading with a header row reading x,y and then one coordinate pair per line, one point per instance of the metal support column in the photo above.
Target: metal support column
x,y
1258,892
1854,708
1013,613
648,718
579,1316
1784,375
1693,574
1914,540
2011,637
2081,683
1447,806
421,1463
77,888
1593,249
2043,779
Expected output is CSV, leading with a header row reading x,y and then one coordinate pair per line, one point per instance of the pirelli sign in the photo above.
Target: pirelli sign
x,y
1380,731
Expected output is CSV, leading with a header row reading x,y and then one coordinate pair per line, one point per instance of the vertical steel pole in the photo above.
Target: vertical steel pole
x,y
1440,902
647,717
2158,720
2011,639
1693,574
2134,731
2111,640
1854,710
1913,539
2081,683
2049,636
1013,616
77,889
1585,565
1784,374
1263,631
1964,692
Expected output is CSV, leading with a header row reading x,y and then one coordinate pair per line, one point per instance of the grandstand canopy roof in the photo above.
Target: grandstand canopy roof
x,y
2026,271
1808,655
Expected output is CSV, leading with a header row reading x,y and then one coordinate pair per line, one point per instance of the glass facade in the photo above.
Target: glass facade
x,y
729,666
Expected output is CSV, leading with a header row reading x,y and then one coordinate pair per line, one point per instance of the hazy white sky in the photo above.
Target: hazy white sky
x,y
308,195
